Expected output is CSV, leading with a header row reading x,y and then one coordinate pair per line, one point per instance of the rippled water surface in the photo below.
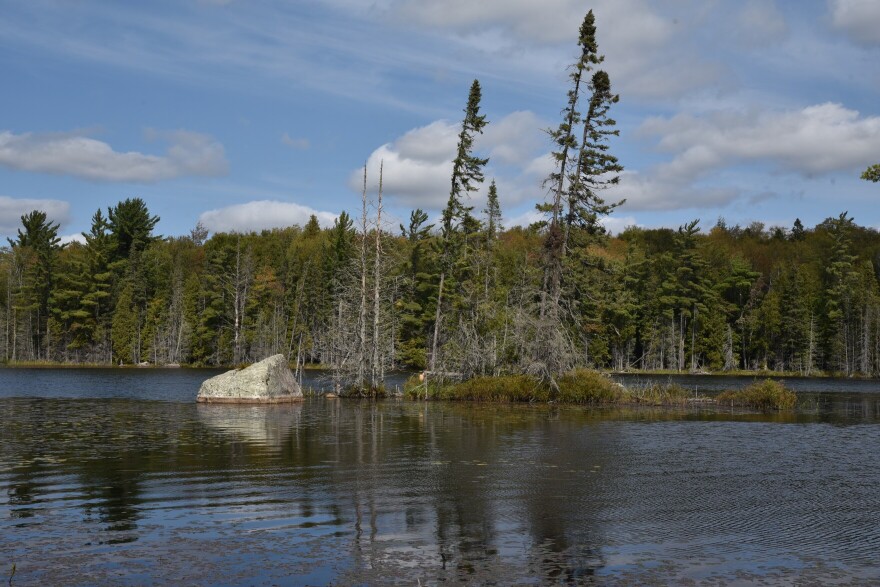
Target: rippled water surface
x,y
120,478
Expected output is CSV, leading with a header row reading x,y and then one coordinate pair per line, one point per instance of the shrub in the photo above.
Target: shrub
x,y
762,395
583,386
656,394
506,388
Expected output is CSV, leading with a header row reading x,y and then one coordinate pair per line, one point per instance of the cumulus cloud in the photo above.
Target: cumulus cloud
x,y
659,189
816,140
418,165
12,209
76,237
860,19
76,154
261,214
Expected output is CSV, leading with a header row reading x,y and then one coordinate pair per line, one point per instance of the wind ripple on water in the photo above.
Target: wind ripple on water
x,y
332,492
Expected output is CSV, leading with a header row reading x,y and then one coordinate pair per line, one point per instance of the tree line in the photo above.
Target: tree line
x,y
461,298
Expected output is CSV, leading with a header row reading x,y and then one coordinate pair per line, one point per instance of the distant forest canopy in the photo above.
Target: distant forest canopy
x,y
794,299
465,297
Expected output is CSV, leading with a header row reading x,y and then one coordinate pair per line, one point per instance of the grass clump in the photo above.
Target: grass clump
x,y
577,387
583,386
500,389
656,394
762,395
504,388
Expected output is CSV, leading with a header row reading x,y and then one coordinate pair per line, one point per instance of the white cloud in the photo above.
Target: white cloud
x,y
650,53
76,154
617,224
549,21
261,214
418,165
524,219
76,237
816,140
514,139
657,189
860,19
12,209
300,143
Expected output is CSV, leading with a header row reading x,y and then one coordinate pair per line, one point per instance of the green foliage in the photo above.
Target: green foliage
x,y
132,227
578,387
656,394
585,386
125,328
872,173
467,168
762,395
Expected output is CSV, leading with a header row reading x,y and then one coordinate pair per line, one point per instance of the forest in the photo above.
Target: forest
x,y
730,298
465,296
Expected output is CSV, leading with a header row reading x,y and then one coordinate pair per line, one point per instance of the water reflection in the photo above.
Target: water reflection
x,y
360,493
267,426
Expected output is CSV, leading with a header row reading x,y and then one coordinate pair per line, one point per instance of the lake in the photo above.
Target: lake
x,y
117,477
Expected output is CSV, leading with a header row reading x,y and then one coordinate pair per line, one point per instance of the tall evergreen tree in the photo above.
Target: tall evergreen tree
x,y
565,141
132,226
596,167
493,214
457,222
40,242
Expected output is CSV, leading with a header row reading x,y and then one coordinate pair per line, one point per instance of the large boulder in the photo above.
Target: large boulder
x,y
267,382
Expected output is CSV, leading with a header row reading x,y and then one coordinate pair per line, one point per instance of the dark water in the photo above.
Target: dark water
x,y
102,484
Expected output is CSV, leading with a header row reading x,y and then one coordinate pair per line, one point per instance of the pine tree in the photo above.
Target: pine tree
x,y
467,169
493,215
566,143
41,244
132,227
564,136
596,167
125,331
457,222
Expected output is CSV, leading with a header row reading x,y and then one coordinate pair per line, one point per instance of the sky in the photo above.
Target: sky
x,y
246,115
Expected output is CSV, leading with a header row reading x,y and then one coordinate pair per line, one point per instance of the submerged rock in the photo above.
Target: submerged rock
x,y
269,381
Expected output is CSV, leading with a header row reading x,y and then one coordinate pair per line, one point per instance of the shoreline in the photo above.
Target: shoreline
x,y
630,373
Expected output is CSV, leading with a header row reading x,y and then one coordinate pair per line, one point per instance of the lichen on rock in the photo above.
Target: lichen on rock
x,y
269,381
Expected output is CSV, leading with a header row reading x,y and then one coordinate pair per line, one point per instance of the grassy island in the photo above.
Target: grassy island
x,y
586,387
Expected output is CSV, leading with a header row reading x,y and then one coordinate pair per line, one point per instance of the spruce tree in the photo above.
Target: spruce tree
x,y
596,167
457,222
132,226
564,136
41,244
493,215
467,169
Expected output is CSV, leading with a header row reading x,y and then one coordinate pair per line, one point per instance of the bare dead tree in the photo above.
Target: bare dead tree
x,y
377,374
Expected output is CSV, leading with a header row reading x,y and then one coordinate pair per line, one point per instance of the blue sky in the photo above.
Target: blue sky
x,y
246,115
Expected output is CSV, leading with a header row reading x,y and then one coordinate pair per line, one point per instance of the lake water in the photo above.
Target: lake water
x,y
118,477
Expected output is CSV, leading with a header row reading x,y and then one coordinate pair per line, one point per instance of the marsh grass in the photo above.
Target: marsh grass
x,y
583,386
578,387
656,394
762,395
